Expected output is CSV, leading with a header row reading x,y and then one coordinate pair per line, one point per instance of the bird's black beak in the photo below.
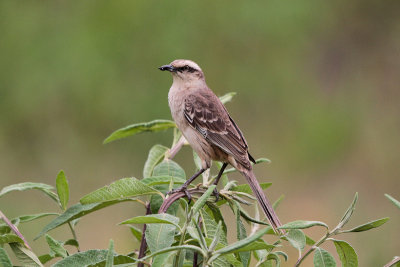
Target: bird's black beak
x,y
169,68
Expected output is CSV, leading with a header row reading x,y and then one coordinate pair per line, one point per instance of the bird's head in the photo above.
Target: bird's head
x,y
184,69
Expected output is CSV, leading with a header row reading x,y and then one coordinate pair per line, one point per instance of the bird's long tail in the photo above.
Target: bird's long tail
x,y
262,199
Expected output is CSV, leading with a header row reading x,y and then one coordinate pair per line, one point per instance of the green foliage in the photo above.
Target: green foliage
x,y
62,189
187,230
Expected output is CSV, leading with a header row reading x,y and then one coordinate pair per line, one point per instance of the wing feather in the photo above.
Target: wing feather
x,y
205,113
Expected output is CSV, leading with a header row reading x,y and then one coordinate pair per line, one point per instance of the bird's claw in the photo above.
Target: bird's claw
x,y
182,189
216,194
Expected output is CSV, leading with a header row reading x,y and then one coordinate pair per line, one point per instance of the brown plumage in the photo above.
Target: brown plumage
x,y
209,129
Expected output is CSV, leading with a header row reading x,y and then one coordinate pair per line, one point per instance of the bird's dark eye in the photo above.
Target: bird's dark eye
x,y
186,67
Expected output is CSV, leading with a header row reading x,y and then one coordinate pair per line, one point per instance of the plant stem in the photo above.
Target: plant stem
x,y
311,249
143,244
74,235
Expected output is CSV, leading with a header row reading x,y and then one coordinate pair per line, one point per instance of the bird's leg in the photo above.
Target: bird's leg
x,y
183,188
221,171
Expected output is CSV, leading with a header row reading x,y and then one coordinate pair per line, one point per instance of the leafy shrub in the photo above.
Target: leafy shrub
x,y
176,232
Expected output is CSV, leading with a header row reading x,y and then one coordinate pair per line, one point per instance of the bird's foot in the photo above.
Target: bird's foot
x,y
216,194
182,189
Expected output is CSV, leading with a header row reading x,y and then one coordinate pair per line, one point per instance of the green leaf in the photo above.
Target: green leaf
x,y
56,247
72,242
210,227
347,254
24,255
233,248
31,217
161,235
297,239
169,168
136,232
394,201
202,200
118,261
245,188
368,226
83,258
197,160
45,258
152,126
110,254
10,238
227,97
323,258
4,259
154,218
173,248
62,189
121,189
349,212
74,212
162,180
302,224
256,245
156,154
241,234
45,188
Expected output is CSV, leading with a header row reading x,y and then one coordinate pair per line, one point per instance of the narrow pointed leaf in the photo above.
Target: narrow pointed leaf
x,y
227,97
302,225
154,218
368,226
232,248
393,200
45,188
28,218
156,154
136,232
4,259
323,258
62,189
203,199
118,261
152,126
121,189
10,238
110,254
349,212
74,212
241,235
346,253
297,239
56,247
210,227
25,255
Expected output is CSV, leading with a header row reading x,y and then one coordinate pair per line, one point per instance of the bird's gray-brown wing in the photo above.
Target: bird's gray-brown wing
x,y
205,112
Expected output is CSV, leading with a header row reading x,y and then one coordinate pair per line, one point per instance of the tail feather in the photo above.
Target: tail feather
x,y
262,200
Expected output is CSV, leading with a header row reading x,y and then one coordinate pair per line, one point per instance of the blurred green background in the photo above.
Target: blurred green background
x,y
318,93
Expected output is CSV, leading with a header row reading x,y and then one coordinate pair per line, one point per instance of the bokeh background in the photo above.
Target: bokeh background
x,y
318,93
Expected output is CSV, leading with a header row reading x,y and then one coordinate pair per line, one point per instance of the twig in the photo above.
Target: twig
x,y
14,228
175,149
391,263
177,195
143,244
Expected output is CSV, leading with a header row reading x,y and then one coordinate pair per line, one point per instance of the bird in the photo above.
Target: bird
x,y
210,130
